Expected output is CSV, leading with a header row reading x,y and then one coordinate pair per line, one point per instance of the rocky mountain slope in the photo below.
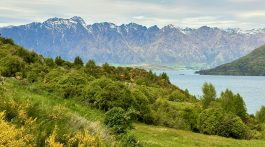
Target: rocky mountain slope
x,y
133,43
252,64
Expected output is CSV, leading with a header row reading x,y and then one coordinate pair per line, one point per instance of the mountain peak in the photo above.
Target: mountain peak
x,y
78,19
205,28
171,26
54,19
155,28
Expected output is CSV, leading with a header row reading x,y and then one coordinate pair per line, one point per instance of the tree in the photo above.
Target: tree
x,y
7,41
10,65
260,115
209,94
210,120
214,121
106,67
106,94
141,105
165,77
78,61
117,119
49,62
91,64
91,68
233,103
233,126
59,61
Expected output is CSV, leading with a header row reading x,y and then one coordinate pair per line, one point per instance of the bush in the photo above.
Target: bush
x,y
210,120
106,94
177,96
49,62
10,65
233,126
117,119
59,61
129,140
7,41
260,115
12,136
142,105
216,122
168,114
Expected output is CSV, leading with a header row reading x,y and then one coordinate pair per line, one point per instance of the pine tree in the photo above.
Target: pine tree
x,y
78,61
91,67
165,77
59,61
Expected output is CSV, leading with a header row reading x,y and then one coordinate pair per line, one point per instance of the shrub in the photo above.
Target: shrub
x,y
216,122
106,94
233,126
59,61
129,140
166,113
117,119
8,41
260,115
210,120
142,105
49,62
12,136
10,65
32,77
177,96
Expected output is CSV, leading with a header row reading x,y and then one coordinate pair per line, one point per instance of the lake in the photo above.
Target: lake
x,y
251,88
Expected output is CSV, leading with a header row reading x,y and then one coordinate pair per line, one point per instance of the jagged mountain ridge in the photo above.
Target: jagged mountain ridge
x,y
133,43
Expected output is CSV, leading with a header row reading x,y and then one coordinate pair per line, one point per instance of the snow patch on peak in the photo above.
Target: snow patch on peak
x,y
78,20
171,26
60,23
248,32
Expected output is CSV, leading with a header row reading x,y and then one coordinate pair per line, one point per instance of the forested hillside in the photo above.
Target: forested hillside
x,y
252,64
53,102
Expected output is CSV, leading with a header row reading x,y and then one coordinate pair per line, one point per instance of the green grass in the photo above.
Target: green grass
x,y
50,100
79,116
154,136
149,136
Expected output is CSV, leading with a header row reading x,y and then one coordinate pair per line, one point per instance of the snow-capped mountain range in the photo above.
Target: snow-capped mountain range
x,y
133,43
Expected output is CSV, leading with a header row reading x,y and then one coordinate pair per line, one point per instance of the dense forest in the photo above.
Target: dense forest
x,y
249,65
53,102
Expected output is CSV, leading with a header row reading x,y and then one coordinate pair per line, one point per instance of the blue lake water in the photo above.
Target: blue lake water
x,y
251,88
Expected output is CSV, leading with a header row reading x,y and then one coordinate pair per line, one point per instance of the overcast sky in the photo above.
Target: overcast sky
x,y
245,14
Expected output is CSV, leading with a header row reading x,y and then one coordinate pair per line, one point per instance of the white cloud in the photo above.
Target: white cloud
x,y
252,14
182,13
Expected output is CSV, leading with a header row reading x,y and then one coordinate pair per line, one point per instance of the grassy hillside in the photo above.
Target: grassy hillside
x,y
249,65
49,113
154,136
53,102
147,135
